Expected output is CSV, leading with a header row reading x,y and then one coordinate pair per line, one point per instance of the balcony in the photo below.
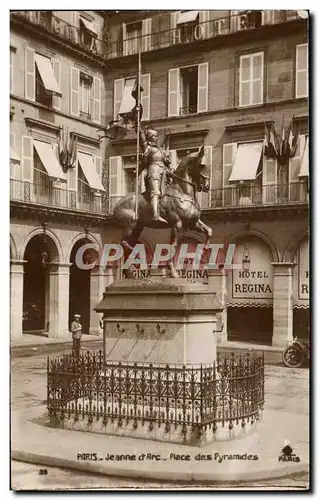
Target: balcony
x,y
253,196
47,195
242,22
194,32
295,193
63,30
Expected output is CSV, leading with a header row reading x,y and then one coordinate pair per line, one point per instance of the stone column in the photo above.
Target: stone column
x,y
100,278
282,303
59,283
217,283
16,299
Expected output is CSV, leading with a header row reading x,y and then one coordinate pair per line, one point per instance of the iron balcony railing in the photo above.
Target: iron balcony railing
x,y
62,29
86,116
229,392
46,194
108,49
188,110
249,196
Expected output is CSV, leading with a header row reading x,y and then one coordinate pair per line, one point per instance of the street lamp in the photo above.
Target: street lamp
x,y
246,259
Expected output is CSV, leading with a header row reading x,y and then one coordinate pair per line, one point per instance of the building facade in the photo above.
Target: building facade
x,y
57,168
216,78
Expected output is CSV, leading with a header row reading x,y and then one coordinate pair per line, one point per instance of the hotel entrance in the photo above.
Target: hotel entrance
x,y
250,293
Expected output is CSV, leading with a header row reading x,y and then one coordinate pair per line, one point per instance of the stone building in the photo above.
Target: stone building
x,y
217,78
209,77
57,100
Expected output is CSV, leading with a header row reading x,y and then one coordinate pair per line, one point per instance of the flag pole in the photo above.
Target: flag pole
x,y
138,101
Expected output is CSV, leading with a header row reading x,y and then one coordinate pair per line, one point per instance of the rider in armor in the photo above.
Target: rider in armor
x,y
157,163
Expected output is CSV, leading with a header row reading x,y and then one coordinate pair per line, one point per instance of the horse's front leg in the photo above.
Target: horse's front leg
x,y
173,241
206,229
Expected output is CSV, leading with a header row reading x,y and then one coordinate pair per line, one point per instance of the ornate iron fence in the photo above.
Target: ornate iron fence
x,y
229,392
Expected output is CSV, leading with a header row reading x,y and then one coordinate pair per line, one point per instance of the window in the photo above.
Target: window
x,y
133,37
41,95
85,95
123,99
41,181
84,191
42,79
188,90
302,70
251,79
86,82
88,33
12,59
137,35
187,22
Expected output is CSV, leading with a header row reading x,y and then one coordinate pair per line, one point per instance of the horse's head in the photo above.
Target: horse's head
x,y
194,165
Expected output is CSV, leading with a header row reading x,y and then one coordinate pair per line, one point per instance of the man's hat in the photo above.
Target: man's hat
x,y
76,316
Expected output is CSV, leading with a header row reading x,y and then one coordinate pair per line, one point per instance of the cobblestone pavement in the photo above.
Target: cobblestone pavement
x,y
285,389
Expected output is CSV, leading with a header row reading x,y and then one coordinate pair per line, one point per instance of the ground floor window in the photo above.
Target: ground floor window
x,y
301,322
252,324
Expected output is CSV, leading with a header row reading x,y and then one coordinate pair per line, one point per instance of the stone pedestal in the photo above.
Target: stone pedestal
x,y
16,299
159,320
217,284
59,276
283,304
99,279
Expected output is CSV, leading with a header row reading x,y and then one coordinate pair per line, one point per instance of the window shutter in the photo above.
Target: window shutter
x,y
244,80
173,92
72,177
234,20
118,94
257,72
12,147
124,36
302,70
267,16
98,166
57,73
295,161
27,158
29,74
229,153
202,98
173,158
75,87
147,34
76,22
269,178
174,18
204,18
204,198
97,100
115,180
175,31
146,96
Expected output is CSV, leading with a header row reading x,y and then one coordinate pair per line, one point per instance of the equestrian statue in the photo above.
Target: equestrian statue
x,y
168,196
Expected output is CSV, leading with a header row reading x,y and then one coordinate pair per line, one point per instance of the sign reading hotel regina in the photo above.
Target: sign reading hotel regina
x,y
255,280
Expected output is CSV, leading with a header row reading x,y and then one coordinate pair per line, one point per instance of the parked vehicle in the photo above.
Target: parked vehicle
x,y
296,354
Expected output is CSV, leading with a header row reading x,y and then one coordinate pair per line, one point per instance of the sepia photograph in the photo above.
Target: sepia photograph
x,y
159,250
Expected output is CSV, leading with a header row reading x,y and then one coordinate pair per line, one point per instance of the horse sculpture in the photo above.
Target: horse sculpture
x,y
177,205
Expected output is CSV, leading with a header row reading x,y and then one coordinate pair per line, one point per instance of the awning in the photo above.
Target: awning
x,y
89,26
187,17
128,102
14,155
47,75
49,160
304,170
89,171
246,162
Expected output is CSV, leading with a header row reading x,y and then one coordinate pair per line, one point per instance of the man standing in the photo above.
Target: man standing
x,y
76,330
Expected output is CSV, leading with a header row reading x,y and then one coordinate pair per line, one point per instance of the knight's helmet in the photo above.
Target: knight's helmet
x,y
150,133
